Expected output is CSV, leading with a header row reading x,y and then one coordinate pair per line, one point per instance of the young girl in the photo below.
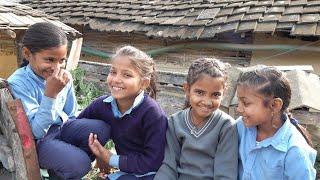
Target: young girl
x,y
202,140
46,91
272,146
138,124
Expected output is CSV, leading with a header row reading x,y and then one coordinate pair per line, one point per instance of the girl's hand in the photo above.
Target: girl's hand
x,y
102,154
56,82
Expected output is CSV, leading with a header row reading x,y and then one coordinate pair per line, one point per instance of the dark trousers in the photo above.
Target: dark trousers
x,y
65,151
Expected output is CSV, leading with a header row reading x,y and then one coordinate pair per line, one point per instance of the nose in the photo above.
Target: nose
x,y
207,102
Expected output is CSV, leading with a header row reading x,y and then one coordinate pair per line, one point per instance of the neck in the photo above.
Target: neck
x,y
197,122
268,129
124,105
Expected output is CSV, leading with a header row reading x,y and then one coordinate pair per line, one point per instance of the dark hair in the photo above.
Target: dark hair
x,y
143,63
205,66
272,83
43,36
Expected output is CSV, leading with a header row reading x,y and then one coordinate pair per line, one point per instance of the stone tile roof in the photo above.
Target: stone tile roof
x,y
14,16
192,19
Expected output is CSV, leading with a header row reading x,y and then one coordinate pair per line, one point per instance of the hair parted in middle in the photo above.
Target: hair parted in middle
x,y
143,62
206,66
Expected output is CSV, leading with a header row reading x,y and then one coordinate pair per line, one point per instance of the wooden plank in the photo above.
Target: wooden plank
x,y
74,55
27,140
10,132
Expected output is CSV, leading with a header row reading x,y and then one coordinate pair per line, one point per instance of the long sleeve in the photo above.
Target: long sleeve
x,y
41,115
226,157
154,130
42,111
71,105
299,164
168,169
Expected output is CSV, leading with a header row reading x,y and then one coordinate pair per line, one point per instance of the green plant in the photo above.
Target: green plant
x,y
85,91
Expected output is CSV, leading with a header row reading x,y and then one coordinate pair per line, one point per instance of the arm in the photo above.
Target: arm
x,y
299,164
42,114
154,130
71,106
226,158
91,111
168,169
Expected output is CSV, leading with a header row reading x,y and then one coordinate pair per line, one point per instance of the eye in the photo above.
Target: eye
x,y
216,94
199,92
62,61
127,75
112,72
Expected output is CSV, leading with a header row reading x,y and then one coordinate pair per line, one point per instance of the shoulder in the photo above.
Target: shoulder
x,y
150,106
18,77
226,118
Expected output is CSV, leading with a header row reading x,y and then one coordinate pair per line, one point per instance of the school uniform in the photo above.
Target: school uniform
x,y
285,155
62,143
138,135
209,152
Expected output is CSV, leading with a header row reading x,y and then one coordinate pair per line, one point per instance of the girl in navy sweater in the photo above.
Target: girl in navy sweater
x,y
138,124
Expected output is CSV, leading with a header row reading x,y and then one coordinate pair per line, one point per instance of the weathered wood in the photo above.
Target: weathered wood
x,y
10,132
74,54
6,154
27,140
15,128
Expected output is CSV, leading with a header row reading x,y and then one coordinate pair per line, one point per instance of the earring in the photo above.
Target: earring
x,y
272,117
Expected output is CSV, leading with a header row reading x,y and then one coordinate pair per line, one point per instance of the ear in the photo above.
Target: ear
x,y
277,104
26,53
186,88
145,83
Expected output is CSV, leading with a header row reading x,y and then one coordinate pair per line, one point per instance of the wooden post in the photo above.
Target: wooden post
x,y
74,54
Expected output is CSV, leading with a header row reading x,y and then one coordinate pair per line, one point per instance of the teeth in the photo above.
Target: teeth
x,y
117,88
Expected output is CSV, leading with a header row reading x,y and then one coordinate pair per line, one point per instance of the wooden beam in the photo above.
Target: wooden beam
x,y
74,54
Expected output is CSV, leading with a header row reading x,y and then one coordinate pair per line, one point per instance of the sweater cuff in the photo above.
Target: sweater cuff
x,y
114,161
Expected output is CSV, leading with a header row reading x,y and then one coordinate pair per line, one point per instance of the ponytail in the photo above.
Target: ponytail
x,y
152,89
301,129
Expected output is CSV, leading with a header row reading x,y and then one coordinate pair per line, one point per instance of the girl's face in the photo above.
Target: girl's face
x,y
252,107
43,63
124,80
205,96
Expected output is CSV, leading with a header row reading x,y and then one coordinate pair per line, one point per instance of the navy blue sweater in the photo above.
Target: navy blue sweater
x,y
139,137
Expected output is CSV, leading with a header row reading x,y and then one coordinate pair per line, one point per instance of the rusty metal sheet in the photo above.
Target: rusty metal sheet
x,y
266,27
304,29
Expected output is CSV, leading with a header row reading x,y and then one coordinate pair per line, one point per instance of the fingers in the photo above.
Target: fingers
x,y
90,139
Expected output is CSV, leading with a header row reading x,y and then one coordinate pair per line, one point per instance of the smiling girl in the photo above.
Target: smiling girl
x,y
202,140
138,124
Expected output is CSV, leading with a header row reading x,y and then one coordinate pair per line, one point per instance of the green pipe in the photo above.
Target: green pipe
x,y
221,46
